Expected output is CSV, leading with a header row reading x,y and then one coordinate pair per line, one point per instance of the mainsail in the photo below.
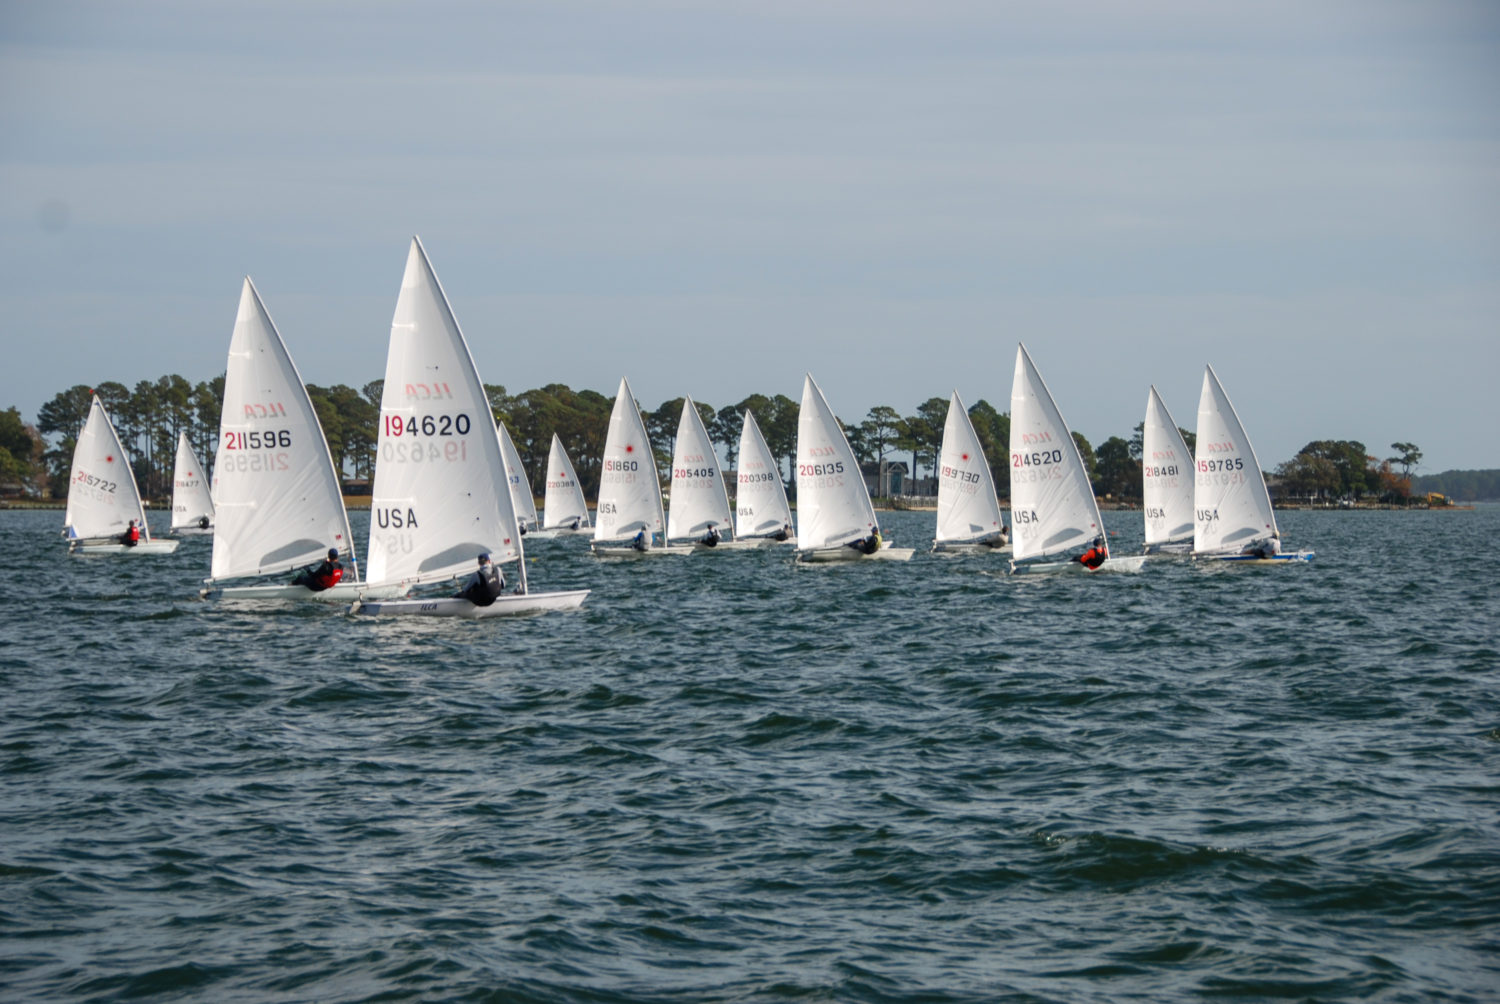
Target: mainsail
x,y
1166,477
276,497
439,497
629,490
699,498
760,506
1231,505
1051,501
833,505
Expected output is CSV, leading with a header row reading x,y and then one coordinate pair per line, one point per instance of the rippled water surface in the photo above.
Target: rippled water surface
x,y
730,778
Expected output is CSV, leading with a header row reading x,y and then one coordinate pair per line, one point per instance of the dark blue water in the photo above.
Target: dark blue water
x,y
729,778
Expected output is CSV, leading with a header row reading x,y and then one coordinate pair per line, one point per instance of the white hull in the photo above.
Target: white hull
x,y
540,534
1250,559
1178,548
193,530
844,553
341,593
157,546
1128,564
564,531
757,543
968,547
626,551
510,605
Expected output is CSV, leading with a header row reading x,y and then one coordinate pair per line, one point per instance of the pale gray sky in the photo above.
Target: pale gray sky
x,y
712,198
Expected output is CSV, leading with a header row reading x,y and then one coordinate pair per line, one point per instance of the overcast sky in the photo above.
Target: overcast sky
x,y
712,198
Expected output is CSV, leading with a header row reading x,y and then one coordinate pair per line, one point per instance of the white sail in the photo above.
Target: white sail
x,y
833,505
967,509
1231,506
1166,476
629,490
102,496
192,502
438,501
521,498
564,500
1051,501
277,502
760,506
699,498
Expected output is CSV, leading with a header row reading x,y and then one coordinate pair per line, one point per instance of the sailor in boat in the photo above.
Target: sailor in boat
x,y
132,535
1268,548
785,533
1095,555
203,522
320,577
642,540
577,522
486,585
867,545
712,538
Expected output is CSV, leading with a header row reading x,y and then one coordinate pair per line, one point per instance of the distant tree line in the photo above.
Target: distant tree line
x,y
150,416
1461,486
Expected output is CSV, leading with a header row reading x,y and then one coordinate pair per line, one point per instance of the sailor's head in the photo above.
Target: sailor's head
x,y
333,554
484,558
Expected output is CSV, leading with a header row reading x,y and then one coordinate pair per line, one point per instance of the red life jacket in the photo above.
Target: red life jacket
x,y
135,533
1093,557
329,578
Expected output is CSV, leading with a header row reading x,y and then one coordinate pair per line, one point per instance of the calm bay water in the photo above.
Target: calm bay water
x,y
729,778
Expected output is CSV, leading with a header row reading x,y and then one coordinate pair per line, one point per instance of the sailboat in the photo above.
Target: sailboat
x,y
968,511
1052,505
762,517
1166,481
192,503
102,496
521,498
1232,515
833,505
277,500
700,502
564,508
630,507
440,498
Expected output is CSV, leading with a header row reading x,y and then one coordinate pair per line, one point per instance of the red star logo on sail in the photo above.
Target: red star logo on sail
x,y
109,460
965,456
629,448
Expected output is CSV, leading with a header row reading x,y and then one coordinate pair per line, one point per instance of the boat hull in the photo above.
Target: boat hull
x,y
1250,559
341,593
1180,549
968,547
511,605
626,551
756,543
193,531
1128,564
157,546
825,555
